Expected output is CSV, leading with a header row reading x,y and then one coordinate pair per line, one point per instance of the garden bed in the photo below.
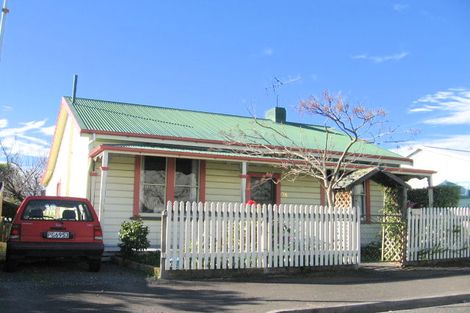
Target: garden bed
x,y
148,262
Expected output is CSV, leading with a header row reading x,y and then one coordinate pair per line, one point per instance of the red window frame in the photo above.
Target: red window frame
x,y
274,176
170,182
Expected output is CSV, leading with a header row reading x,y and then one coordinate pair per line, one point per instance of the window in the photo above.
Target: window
x,y
186,180
57,210
158,172
359,199
262,189
153,195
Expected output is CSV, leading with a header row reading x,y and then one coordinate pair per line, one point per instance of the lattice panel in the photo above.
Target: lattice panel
x,y
343,199
393,240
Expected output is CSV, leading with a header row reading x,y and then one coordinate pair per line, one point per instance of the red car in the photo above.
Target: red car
x,y
47,227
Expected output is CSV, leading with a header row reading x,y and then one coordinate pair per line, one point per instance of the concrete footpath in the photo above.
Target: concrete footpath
x,y
66,287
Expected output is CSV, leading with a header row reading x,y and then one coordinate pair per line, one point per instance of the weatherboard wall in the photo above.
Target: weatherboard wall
x,y
118,203
372,232
70,176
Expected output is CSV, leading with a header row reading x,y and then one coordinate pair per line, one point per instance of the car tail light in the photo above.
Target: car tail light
x,y
98,233
15,232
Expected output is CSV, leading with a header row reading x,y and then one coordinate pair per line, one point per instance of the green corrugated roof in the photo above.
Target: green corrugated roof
x,y
99,115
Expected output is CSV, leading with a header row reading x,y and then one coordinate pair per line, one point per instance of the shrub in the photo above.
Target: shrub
x,y
133,237
444,196
372,252
9,209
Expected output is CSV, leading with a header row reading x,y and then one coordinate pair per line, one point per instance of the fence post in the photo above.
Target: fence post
x,y
358,235
163,245
407,240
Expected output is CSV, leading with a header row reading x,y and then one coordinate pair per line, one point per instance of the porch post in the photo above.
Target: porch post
x,y
104,176
430,192
405,201
243,180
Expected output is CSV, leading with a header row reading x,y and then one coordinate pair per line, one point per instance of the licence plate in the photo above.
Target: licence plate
x,y
58,235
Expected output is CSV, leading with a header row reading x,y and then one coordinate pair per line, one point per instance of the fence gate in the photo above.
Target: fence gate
x,y
393,238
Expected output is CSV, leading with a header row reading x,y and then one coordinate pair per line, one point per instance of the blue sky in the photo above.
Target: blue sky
x,y
409,57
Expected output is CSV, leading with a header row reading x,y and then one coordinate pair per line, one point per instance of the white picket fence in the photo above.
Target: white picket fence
x,y
438,234
205,236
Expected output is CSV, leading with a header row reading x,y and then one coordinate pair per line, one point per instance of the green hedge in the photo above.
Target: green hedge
x,y
444,196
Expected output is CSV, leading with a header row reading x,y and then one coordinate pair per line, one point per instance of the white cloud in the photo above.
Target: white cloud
x,y
452,107
32,125
400,7
382,58
25,139
268,52
48,131
459,142
3,123
25,148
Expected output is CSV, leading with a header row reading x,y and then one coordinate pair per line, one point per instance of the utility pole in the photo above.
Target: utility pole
x,y
2,24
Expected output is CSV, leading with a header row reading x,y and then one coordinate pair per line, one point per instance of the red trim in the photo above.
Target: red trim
x,y
93,173
137,171
322,195
211,141
368,203
248,188
170,179
102,148
243,176
202,181
277,179
58,189
408,170
104,168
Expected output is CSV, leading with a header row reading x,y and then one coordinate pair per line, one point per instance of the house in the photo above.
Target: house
x,y
448,164
130,159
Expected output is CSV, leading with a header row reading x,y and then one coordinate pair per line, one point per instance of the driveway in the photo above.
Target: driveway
x,y
68,287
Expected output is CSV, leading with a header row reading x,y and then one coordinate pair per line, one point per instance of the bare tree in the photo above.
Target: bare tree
x,y
346,129
20,174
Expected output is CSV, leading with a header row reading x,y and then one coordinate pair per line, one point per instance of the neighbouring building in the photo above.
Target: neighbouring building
x,y
449,164
130,159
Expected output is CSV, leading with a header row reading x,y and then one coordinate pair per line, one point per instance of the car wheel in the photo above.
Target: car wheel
x,y
10,265
94,265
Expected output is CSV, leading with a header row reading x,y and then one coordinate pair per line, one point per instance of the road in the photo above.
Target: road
x,y
453,308
68,287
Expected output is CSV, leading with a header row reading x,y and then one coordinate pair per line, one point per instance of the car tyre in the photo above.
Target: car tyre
x,y
94,265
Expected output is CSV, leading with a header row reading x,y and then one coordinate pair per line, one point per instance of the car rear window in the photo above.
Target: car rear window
x,y
57,210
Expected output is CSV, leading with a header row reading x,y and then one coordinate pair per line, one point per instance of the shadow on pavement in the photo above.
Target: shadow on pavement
x,y
66,286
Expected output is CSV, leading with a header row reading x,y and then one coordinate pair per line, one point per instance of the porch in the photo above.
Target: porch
x,y
136,181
